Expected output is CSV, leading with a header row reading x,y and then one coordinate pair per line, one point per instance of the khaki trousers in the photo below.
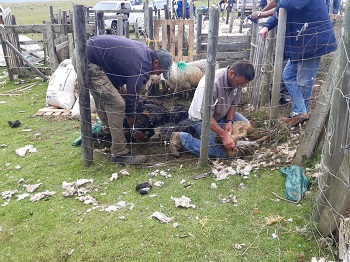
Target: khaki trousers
x,y
110,108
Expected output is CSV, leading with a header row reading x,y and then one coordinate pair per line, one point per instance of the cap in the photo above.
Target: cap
x,y
165,59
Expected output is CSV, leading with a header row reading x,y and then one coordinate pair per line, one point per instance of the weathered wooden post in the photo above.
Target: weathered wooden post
x,y
228,12
146,18
268,68
255,34
100,23
136,30
315,127
199,36
184,9
213,32
191,10
234,6
334,185
150,28
52,17
127,29
51,47
277,73
242,17
167,16
83,83
120,25
11,76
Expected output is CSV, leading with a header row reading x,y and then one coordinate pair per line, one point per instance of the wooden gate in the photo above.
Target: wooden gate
x,y
177,36
11,58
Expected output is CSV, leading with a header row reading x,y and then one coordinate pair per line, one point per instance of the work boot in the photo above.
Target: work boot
x,y
175,144
294,121
128,159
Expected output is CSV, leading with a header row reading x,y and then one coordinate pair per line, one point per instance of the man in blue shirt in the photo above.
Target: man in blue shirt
x,y
118,70
309,35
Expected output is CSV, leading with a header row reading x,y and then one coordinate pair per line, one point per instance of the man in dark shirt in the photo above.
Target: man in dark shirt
x,y
119,67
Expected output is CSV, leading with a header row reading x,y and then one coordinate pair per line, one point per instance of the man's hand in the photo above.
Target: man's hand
x,y
131,121
255,15
122,91
264,32
228,127
139,136
228,141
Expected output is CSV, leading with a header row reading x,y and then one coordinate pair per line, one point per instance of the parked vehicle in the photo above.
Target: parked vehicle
x,y
248,6
110,21
159,5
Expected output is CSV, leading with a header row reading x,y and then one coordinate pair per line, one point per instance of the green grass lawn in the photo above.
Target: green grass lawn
x,y
58,228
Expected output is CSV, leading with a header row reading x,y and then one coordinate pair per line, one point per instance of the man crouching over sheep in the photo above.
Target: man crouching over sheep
x,y
228,84
114,62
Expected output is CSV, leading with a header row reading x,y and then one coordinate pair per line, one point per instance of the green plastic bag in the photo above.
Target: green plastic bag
x,y
95,129
296,182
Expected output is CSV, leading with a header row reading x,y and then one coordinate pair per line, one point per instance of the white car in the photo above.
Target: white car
x,y
248,6
110,21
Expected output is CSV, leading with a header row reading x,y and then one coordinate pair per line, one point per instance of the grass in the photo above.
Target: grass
x,y
61,229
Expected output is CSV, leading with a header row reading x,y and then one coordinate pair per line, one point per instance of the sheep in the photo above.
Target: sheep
x,y
185,76
182,77
153,80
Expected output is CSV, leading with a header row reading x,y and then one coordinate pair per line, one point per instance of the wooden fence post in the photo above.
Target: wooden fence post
x,y
268,68
83,83
199,36
334,195
242,17
150,28
318,119
11,77
127,29
167,16
100,23
120,25
213,32
146,17
51,47
52,17
184,9
233,13
277,74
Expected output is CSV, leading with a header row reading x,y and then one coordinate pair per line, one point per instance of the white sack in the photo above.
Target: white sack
x,y
76,110
60,91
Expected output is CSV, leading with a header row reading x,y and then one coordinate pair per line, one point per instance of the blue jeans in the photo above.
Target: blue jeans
x,y
193,145
299,79
336,4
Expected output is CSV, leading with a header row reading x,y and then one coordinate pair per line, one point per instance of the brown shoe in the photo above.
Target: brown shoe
x,y
294,121
175,144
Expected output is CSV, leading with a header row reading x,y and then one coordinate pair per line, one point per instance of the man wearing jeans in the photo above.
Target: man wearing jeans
x,y
309,35
118,70
335,9
227,92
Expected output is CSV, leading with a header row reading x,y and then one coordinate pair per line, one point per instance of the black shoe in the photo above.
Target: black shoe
x,y
129,159
284,100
